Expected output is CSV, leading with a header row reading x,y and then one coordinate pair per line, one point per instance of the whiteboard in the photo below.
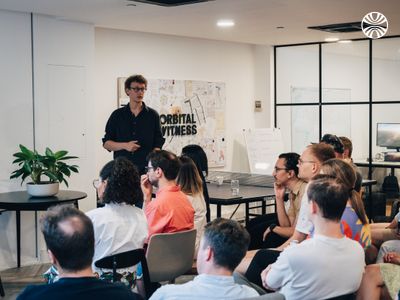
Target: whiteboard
x,y
263,148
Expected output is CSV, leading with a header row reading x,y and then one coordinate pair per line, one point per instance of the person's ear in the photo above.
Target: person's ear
x,y
52,258
313,207
291,174
209,253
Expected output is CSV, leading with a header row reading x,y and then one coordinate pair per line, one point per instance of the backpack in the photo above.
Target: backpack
x,y
390,186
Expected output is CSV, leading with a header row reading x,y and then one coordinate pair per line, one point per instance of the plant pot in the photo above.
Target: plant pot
x,y
44,189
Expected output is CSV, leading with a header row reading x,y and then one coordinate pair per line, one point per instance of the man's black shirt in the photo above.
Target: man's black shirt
x,y
78,288
124,126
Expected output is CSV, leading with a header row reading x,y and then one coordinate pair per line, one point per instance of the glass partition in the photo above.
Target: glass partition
x,y
297,68
345,75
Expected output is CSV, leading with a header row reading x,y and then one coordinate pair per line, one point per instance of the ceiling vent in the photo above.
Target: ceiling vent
x,y
343,27
170,3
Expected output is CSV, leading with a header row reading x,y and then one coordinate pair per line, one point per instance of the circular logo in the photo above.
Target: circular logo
x,y
374,25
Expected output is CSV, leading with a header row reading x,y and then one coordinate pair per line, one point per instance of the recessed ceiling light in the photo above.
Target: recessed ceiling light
x,y
331,39
345,41
225,23
280,27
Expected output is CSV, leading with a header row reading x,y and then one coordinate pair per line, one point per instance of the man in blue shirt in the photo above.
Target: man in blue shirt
x,y
222,247
69,237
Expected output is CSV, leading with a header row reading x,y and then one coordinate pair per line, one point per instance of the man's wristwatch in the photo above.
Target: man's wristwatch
x,y
271,227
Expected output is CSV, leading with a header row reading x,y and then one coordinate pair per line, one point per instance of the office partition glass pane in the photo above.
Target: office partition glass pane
x,y
345,72
389,131
297,75
299,126
386,69
350,121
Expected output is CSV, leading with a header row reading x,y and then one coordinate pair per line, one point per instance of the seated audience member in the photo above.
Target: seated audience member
x,y
223,245
354,221
348,150
309,165
171,210
386,247
199,157
335,142
267,234
382,232
190,183
327,265
119,226
381,281
69,237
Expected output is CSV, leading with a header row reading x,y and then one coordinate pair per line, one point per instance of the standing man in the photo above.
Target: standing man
x,y
134,130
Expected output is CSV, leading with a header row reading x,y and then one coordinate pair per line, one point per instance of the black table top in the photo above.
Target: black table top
x,y
244,178
221,194
379,164
22,201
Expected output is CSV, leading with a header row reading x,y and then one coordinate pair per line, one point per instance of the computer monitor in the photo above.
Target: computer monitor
x,y
388,135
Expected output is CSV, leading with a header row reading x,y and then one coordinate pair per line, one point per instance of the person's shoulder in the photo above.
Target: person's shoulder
x,y
33,292
119,111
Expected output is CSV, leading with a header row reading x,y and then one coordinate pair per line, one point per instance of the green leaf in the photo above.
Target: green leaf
x,y
60,154
18,160
74,168
50,175
68,157
48,152
26,151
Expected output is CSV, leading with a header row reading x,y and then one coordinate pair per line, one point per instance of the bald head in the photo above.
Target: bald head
x,y
69,235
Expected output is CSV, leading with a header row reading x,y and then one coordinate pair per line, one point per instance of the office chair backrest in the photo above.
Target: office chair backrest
x,y
170,255
125,260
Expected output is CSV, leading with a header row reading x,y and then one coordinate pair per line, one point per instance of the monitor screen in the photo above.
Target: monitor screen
x,y
388,135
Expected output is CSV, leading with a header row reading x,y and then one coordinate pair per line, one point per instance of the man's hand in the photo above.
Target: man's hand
x,y
266,232
132,146
147,188
264,274
279,192
392,257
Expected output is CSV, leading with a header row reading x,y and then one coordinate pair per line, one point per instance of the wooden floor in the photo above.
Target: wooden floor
x,y
16,279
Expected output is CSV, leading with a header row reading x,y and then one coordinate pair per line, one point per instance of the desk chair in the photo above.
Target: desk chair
x,y
170,255
125,260
2,294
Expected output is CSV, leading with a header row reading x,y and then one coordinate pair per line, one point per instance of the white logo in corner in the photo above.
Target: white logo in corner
x,y
374,25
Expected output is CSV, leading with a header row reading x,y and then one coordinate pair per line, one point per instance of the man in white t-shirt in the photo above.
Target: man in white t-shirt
x,y
327,265
309,165
222,247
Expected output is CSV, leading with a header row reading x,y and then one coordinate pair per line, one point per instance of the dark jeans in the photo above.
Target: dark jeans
x,y
256,228
261,260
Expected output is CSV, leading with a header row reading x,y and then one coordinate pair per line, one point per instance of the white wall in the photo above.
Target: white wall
x,y
243,67
62,109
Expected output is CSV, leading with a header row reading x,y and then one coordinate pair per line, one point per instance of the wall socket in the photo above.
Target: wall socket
x,y
257,105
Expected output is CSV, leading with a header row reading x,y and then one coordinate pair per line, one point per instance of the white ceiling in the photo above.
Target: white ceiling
x,y
256,20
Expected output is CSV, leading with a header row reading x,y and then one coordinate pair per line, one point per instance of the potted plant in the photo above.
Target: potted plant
x,y
34,165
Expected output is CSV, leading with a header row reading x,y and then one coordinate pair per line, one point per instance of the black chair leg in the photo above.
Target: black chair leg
x,y
2,294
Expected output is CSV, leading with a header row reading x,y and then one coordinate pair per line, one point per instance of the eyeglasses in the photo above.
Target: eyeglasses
x,y
279,169
147,169
137,90
305,161
97,183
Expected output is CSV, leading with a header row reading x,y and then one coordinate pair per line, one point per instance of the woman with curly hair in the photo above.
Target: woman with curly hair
x,y
119,226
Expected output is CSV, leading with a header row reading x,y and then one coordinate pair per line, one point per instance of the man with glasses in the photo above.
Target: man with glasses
x,y
309,165
171,210
267,234
134,130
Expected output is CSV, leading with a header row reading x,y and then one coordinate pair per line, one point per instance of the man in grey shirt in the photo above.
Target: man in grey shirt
x,y
222,247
